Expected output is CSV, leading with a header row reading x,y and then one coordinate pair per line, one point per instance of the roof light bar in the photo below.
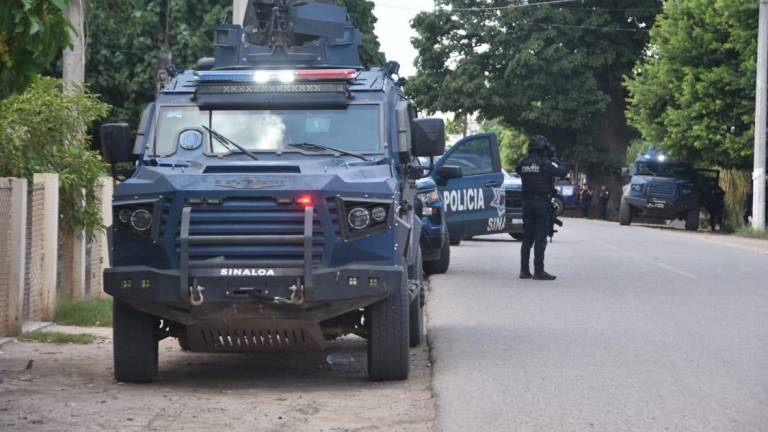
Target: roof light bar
x,y
285,76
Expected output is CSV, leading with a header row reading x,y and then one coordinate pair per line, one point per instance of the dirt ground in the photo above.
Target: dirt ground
x,y
47,387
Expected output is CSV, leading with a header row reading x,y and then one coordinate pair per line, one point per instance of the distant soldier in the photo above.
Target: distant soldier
x,y
586,200
537,172
602,201
716,207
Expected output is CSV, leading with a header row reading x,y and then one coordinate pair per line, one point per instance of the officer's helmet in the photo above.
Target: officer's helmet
x,y
538,144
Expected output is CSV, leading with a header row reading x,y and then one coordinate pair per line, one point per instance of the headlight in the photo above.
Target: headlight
x,y
124,215
428,196
686,191
141,220
379,214
358,218
637,187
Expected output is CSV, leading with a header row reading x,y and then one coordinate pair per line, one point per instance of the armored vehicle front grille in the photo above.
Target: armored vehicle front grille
x,y
239,216
662,190
514,199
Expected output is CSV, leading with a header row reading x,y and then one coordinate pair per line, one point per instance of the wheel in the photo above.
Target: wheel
x,y
134,344
517,236
625,213
454,241
415,311
388,335
557,203
440,265
692,220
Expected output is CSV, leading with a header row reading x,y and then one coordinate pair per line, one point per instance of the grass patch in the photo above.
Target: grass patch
x,y
750,233
92,312
58,337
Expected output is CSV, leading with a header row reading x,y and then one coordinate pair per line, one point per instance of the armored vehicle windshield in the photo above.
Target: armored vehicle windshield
x,y
680,170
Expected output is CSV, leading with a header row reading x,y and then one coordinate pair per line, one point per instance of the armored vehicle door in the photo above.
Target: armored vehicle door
x,y
474,198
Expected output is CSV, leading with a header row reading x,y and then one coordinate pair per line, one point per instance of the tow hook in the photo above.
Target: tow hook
x,y
196,294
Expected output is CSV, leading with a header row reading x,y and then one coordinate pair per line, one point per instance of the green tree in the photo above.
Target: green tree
x,y
692,95
34,127
125,35
361,15
554,70
32,33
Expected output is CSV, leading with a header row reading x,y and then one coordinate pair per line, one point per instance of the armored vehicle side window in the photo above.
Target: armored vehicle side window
x,y
474,157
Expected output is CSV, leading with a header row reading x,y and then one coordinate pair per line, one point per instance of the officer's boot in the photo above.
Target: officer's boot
x,y
525,273
542,275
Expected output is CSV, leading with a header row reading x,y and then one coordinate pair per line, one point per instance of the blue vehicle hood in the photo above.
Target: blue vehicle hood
x,y
332,176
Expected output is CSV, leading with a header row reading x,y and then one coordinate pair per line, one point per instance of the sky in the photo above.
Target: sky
x,y
394,30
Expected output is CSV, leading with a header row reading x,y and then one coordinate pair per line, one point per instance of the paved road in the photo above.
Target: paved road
x,y
644,330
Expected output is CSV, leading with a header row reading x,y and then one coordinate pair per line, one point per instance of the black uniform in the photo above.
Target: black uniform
x,y
603,199
537,174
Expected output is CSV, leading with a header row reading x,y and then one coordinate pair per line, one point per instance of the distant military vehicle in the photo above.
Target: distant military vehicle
x,y
272,204
664,189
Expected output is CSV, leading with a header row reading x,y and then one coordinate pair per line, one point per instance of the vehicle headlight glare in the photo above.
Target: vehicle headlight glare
x,y
686,191
379,214
358,218
141,220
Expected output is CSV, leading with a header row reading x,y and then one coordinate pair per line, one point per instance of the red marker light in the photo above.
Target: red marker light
x,y
325,74
305,200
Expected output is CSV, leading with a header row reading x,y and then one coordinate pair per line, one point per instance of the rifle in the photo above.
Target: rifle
x,y
553,220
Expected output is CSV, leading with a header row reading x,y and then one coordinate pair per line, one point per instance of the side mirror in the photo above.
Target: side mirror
x,y
448,172
116,143
427,137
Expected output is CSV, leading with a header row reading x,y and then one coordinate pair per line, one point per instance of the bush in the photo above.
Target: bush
x,y
44,129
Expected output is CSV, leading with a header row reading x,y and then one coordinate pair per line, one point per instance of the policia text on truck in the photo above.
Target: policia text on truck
x,y
272,202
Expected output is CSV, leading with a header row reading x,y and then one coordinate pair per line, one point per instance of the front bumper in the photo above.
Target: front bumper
x,y
155,290
666,208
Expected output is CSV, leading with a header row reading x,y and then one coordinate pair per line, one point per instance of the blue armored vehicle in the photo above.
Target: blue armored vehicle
x,y
664,189
270,201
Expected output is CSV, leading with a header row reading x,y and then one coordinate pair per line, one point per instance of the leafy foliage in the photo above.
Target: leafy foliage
x,y
693,93
554,70
361,15
34,127
121,63
32,33
513,143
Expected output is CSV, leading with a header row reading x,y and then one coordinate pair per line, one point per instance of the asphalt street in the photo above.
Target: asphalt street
x,y
644,330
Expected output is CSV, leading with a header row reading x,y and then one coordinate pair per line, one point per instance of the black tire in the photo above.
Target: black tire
x,y
692,220
415,311
557,202
625,213
388,335
454,241
134,344
440,265
517,236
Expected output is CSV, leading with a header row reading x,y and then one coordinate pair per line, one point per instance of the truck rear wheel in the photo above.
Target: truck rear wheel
x,y
625,213
134,344
440,265
692,220
454,242
517,236
388,335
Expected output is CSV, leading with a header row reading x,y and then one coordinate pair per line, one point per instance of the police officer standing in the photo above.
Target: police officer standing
x,y
537,171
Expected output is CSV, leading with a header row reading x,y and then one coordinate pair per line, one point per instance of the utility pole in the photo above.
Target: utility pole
x,y
74,58
163,56
238,11
761,98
